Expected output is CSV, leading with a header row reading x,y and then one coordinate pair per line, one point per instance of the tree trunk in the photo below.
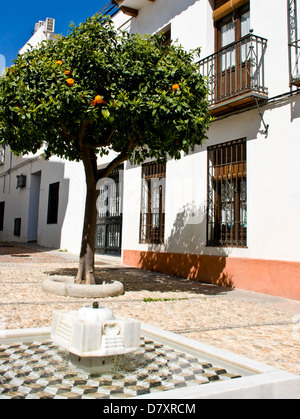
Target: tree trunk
x,y
86,271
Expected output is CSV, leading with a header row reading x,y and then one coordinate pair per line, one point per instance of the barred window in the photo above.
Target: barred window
x,y
152,216
227,195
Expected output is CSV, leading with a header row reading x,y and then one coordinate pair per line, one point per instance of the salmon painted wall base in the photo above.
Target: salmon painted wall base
x,y
272,277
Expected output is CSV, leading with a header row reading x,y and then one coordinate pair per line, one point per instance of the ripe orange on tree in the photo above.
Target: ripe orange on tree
x,y
70,82
59,62
98,99
175,87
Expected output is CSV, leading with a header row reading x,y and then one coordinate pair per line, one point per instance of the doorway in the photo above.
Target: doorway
x,y
34,202
233,49
109,214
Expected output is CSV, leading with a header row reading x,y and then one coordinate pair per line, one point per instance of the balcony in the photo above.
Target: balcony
x,y
235,75
110,8
294,55
131,7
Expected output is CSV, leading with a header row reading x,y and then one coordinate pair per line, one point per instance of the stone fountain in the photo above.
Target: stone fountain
x,y
93,336
166,365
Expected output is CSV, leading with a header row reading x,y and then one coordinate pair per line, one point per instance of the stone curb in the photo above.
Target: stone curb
x,y
64,285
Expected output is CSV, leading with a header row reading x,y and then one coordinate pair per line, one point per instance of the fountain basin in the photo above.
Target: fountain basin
x,y
33,367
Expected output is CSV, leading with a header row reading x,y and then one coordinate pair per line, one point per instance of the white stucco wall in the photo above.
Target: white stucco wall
x,y
66,233
39,36
273,193
189,19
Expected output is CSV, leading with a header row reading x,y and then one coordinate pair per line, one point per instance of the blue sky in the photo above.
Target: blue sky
x,y
17,19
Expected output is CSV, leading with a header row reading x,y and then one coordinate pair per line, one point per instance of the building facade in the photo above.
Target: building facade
x,y
225,213
228,214
38,197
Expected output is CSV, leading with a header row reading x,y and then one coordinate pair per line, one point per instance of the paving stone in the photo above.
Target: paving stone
x,y
210,376
88,389
130,381
105,381
179,383
68,395
142,374
188,376
153,381
139,390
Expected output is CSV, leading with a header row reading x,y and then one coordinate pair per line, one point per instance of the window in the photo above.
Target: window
x,y
109,213
233,27
227,195
2,154
152,217
167,37
53,203
232,30
17,227
232,66
2,206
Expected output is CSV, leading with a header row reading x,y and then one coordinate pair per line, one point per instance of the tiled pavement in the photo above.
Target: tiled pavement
x,y
40,370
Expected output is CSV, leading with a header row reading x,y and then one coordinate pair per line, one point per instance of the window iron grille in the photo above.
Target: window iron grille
x,y
152,215
294,43
227,195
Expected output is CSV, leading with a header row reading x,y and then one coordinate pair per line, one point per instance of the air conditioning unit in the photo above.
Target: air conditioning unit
x,y
50,24
38,25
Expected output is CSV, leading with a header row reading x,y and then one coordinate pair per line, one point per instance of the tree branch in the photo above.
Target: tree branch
x,y
83,126
104,143
66,133
118,160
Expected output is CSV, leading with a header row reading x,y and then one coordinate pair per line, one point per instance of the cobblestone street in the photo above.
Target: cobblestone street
x,y
258,326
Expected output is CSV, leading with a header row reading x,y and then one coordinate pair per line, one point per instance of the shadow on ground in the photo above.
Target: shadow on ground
x,y
134,279
9,249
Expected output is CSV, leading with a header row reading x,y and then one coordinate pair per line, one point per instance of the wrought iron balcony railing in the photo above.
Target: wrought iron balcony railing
x,y
294,55
109,8
236,71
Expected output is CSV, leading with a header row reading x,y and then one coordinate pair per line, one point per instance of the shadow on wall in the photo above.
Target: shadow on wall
x,y
295,108
183,254
171,9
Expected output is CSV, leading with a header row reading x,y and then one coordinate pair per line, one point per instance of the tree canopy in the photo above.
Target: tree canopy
x,y
47,96
98,90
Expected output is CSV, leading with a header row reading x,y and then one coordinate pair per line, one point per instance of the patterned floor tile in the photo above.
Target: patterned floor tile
x,y
41,370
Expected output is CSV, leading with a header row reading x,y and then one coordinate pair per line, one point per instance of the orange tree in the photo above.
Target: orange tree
x,y
98,90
